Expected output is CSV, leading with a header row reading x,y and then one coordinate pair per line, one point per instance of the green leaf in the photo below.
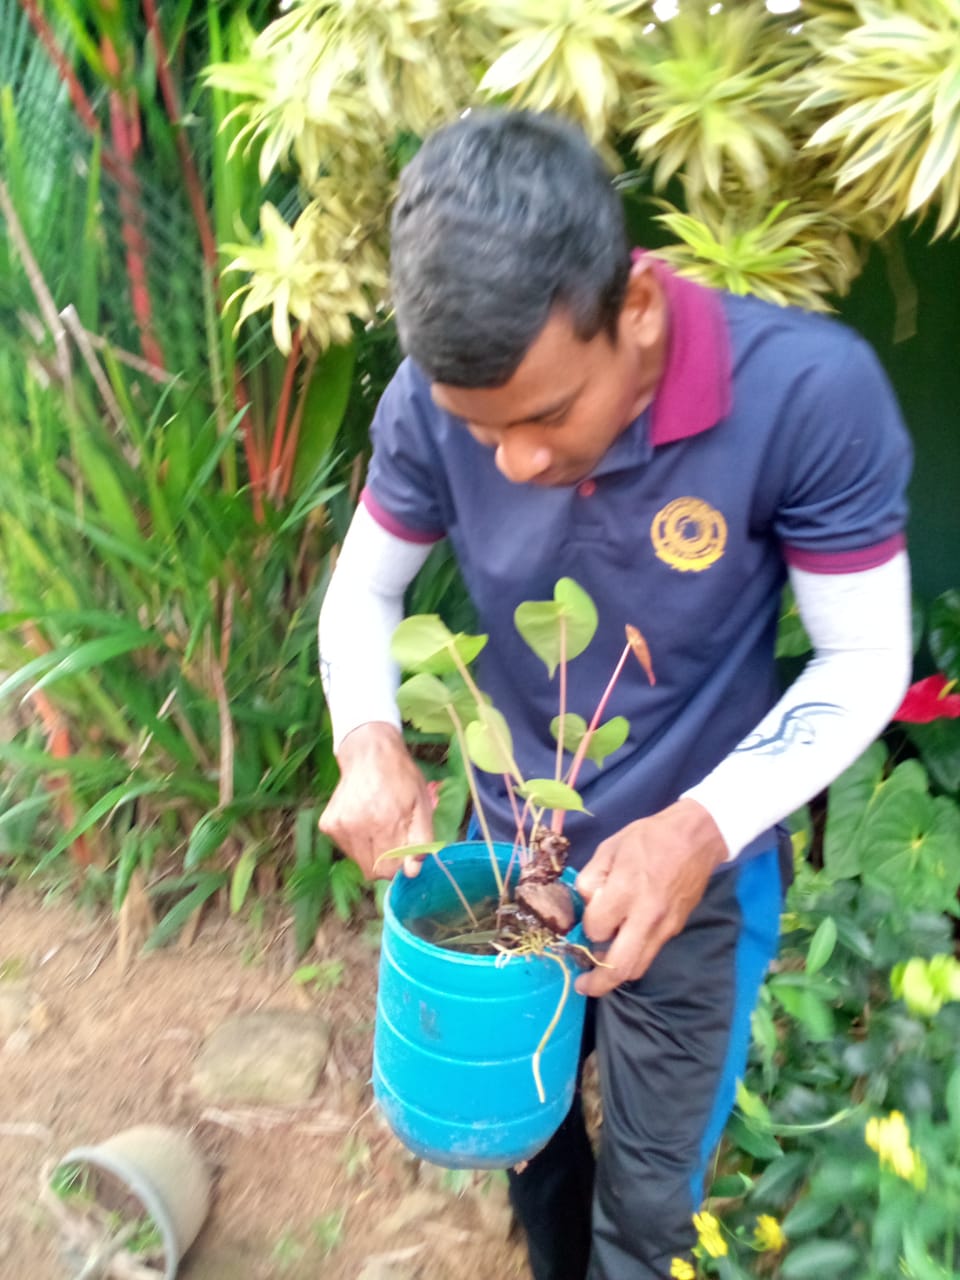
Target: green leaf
x,y
346,888
308,885
325,405
574,727
113,799
489,742
242,876
813,1013
761,1145
94,653
848,801
730,1187
410,851
108,492
564,625
915,847
127,864
26,808
452,799
177,917
520,62
545,793
753,1107
815,1259
809,1214
952,1099
426,702
425,643
608,738
207,836
821,945
605,740
939,747
792,638
944,633
778,1182
854,800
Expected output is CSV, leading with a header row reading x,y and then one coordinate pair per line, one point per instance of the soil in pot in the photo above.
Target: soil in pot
x,y
101,1219
539,910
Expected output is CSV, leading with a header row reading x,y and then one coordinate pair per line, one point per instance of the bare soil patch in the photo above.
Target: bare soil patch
x,y
320,1190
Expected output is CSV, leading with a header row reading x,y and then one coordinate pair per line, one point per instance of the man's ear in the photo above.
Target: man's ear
x,y
643,317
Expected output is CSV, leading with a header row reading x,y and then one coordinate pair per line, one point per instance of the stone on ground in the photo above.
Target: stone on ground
x,y
273,1056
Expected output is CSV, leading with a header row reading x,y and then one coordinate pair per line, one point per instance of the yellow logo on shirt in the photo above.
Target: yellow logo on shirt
x,y
688,534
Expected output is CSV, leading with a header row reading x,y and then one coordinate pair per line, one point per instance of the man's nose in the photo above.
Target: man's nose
x,y
522,460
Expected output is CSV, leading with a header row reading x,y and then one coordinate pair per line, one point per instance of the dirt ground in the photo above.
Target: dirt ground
x,y
316,1191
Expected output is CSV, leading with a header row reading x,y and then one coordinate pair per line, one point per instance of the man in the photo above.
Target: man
x,y
566,409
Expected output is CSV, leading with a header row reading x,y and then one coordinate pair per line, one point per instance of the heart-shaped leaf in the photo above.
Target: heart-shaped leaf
x,y
574,727
608,738
425,701
852,802
562,626
604,740
410,851
945,633
547,793
915,848
425,643
489,743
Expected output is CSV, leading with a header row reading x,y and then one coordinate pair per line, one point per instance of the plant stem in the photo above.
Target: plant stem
x,y
558,774
478,698
475,797
283,413
125,133
289,458
571,779
191,177
457,890
553,1023
48,39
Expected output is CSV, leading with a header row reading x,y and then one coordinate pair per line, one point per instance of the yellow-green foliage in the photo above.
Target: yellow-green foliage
x,y
794,137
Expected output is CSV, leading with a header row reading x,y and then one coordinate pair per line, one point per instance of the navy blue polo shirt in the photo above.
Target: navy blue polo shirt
x,y
774,438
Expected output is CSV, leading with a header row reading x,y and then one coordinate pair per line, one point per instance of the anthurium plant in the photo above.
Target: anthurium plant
x,y
441,696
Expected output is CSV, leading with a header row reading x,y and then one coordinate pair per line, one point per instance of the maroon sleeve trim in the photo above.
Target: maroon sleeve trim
x,y
392,525
845,561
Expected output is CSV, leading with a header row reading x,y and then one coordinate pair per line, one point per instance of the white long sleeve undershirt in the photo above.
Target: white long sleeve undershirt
x,y
360,612
859,624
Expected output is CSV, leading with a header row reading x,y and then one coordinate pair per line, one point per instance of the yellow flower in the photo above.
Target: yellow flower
x,y
768,1235
890,1138
710,1236
680,1269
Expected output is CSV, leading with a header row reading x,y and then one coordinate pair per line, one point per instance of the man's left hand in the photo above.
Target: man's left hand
x,y
641,885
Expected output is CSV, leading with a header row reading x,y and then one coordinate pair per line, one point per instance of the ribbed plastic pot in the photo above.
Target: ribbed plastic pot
x,y
165,1171
456,1034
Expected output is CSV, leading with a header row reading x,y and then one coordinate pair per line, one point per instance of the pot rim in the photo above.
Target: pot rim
x,y
472,851
140,1185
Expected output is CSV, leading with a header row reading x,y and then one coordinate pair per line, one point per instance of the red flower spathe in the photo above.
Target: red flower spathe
x,y
929,700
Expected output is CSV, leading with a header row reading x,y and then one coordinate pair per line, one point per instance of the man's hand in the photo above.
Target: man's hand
x,y
641,885
380,803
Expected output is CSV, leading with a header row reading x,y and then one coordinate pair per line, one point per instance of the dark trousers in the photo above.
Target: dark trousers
x,y
670,1049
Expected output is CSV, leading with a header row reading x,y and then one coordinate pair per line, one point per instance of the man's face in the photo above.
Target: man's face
x,y
568,400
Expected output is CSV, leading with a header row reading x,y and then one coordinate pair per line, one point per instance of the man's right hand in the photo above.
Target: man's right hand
x,y
380,803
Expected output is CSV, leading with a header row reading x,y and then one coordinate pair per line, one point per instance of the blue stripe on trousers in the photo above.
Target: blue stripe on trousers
x,y
759,896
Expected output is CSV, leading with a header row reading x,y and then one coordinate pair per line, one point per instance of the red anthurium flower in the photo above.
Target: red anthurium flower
x,y
928,700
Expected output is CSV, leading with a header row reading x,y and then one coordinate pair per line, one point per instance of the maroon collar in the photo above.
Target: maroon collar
x,y
696,389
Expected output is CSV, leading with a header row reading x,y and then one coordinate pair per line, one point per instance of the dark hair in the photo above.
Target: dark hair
x,y
501,217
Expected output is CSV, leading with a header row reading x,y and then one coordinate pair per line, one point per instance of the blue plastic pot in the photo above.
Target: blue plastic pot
x,y
456,1034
